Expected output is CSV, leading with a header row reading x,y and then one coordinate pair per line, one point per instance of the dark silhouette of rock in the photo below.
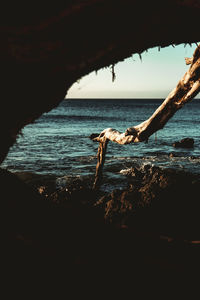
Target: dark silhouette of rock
x,y
62,236
184,143
46,48
167,200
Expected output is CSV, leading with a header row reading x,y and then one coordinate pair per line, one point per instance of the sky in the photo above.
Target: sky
x,y
152,77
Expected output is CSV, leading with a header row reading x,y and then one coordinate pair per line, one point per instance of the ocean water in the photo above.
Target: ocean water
x,y
58,142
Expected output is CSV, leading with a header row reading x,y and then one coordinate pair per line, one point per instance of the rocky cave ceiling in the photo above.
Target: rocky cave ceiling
x,y
45,48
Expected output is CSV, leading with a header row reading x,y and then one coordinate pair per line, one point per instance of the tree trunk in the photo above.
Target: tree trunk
x,y
187,88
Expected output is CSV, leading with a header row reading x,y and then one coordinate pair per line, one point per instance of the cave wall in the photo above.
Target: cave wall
x,y
44,48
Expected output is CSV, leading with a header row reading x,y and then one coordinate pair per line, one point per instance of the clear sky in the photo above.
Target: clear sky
x,y
153,77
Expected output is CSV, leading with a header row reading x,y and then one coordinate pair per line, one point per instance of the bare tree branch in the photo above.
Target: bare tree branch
x,y
188,60
187,88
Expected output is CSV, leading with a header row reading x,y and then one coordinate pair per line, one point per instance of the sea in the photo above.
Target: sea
x,y
59,144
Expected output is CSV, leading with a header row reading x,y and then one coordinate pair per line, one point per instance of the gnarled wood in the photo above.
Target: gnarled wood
x,y
187,88
100,162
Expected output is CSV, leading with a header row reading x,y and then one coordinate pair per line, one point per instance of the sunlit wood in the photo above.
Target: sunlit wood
x,y
187,88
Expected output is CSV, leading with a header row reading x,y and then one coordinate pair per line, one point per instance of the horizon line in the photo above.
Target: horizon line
x,y
113,98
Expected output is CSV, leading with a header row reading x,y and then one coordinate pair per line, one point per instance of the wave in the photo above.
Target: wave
x,y
185,121
78,118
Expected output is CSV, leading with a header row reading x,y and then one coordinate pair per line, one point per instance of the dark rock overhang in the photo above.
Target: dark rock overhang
x,y
46,48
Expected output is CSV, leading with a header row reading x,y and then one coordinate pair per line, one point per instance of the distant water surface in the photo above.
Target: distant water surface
x,y
58,142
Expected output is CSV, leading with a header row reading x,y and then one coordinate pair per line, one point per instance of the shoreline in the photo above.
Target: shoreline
x,y
147,228
148,190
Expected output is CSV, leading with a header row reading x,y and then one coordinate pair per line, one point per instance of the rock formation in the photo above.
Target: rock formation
x,y
165,199
46,48
184,143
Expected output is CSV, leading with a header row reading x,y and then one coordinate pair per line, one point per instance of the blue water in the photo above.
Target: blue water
x,y
58,142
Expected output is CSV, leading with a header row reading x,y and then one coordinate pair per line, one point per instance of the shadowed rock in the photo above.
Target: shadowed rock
x,y
184,143
162,201
45,49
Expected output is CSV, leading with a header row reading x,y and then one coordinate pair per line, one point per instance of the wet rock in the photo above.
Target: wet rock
x,y
118,205
171,155
184,143
159,200
72,234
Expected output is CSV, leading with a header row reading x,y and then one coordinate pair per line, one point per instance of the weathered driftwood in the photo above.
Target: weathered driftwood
x,y
187,88
100,162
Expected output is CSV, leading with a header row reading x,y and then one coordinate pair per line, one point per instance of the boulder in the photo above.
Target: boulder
x,y
162,200
184,143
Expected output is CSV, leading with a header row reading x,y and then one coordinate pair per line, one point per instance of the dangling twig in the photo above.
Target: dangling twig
x,y
100,163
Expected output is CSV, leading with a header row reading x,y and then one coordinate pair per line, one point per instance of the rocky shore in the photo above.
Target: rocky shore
x,y
166,199
151,227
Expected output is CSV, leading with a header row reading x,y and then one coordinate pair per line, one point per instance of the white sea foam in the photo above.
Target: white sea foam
x,y
126,171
